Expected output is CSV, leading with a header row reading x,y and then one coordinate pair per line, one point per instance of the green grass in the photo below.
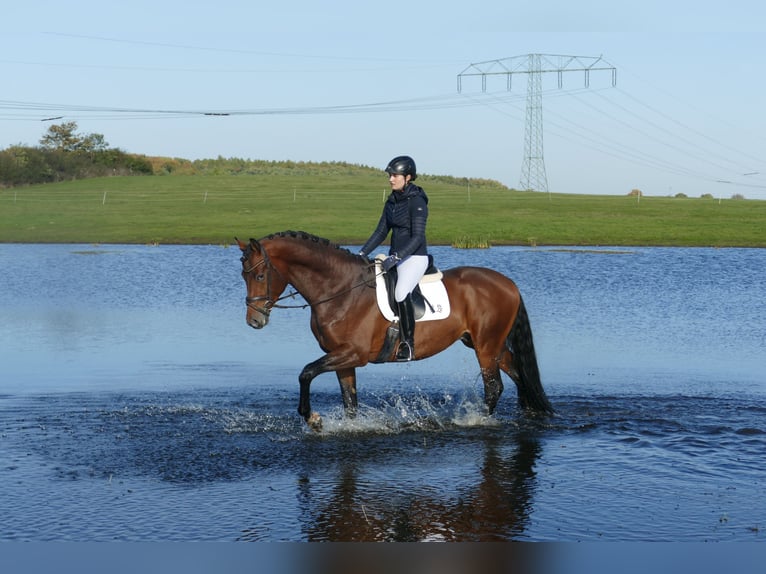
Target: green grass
x,y
213,209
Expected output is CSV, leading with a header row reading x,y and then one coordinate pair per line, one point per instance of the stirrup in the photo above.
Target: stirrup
x,y
405,352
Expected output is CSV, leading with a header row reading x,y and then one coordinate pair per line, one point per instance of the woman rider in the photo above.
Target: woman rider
x,y
404,214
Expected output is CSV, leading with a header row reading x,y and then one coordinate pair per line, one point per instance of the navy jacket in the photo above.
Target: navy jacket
x,y
404,215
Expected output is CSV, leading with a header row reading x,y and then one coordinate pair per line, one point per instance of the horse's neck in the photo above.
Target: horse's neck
x,y
312,272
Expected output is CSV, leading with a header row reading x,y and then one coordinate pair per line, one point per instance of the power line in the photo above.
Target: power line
x,y
690,129
412,104
604,142
218,49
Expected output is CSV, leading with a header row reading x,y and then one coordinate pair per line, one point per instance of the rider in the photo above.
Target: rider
x,y
404,214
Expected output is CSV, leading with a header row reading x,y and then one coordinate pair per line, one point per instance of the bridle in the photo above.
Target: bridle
x,y
272,303
250,302
264,310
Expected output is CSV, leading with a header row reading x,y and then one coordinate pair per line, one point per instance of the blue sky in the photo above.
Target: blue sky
x,y
362,82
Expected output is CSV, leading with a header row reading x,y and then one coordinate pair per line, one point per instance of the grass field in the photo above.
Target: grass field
x,y
213,209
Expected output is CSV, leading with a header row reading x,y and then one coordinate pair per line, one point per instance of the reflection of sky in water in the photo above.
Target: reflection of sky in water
x,y
78,316
643,352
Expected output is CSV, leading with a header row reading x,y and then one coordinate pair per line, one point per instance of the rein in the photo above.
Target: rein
x,y
272,303
325,300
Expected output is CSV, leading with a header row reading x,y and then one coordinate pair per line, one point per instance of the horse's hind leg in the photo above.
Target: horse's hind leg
x,y
493,384
506,364
347,380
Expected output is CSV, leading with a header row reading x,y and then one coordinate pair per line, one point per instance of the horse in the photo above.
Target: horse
x,y
487,314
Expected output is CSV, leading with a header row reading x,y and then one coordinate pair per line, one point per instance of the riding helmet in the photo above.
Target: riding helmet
x,y
402,165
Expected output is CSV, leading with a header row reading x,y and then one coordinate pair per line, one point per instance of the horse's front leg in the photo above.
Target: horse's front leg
x,y
347,380
346,377
308,374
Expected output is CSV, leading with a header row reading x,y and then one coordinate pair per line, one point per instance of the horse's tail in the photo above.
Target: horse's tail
x,y
530,389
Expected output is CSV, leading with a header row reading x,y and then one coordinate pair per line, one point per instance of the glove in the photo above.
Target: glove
x,y
390,261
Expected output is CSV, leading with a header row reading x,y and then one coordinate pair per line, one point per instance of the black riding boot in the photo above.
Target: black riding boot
x,y
406,351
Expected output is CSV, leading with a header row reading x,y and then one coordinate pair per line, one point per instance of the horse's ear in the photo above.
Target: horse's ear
x,y
255,245
242,245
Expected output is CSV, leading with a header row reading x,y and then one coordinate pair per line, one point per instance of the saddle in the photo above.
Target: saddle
x,y
430,302
429,298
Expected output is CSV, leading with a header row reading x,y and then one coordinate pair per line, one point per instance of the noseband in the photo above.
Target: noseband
x,y
264,310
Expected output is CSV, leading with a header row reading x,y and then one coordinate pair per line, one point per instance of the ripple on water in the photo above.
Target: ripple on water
x,y
165,464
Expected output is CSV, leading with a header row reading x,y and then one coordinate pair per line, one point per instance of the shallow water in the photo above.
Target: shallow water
x,y
135,404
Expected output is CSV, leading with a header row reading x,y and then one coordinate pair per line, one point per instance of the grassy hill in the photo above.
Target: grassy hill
x,y
204,203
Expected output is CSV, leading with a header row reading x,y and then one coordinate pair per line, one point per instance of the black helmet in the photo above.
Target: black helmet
x,y
402,165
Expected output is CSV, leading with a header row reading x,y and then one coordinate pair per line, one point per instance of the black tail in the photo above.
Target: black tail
x,y
531,393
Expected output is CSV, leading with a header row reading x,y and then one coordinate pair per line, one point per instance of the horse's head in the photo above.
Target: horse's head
x,y
264,283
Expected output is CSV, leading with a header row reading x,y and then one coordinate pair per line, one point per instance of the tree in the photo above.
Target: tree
x,y
64,137
93,142
61,137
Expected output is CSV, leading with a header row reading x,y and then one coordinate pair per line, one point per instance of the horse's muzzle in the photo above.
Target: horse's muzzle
x,y
257,321
257,317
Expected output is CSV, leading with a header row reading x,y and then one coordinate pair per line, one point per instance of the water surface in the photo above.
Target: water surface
x,y
135,404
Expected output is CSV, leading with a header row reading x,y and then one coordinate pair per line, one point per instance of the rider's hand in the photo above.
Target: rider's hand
x,y
389,262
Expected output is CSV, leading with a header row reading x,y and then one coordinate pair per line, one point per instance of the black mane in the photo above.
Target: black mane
x,y
305,236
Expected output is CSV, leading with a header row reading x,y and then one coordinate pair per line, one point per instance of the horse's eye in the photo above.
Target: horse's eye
x,y
259,277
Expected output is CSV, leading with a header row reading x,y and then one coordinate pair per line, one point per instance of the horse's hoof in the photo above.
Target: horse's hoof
x,y
315,422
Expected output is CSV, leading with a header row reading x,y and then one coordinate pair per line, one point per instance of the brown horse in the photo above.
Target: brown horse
x,y
487,315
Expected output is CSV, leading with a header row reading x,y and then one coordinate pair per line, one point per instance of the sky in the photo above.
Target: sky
x,y
361,82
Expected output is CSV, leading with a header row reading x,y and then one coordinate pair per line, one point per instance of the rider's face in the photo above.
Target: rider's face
x,y
397,181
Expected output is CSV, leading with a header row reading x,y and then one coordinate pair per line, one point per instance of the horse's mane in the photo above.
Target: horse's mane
x,y
308,237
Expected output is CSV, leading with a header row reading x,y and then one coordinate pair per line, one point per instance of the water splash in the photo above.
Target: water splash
x,y
397,413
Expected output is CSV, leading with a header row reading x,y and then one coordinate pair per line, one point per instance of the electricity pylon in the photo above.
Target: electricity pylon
x,y
533,176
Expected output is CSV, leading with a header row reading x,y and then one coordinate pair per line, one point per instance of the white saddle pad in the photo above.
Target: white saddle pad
x,y
431,286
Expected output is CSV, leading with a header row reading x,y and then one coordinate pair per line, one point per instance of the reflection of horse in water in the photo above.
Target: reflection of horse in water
x,y
487,314
363,508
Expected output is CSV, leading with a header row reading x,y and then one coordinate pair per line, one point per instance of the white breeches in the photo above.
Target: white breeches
x,y
409,272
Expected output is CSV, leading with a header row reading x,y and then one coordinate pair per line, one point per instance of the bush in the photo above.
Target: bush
x,y
467,242
738,196
21,165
